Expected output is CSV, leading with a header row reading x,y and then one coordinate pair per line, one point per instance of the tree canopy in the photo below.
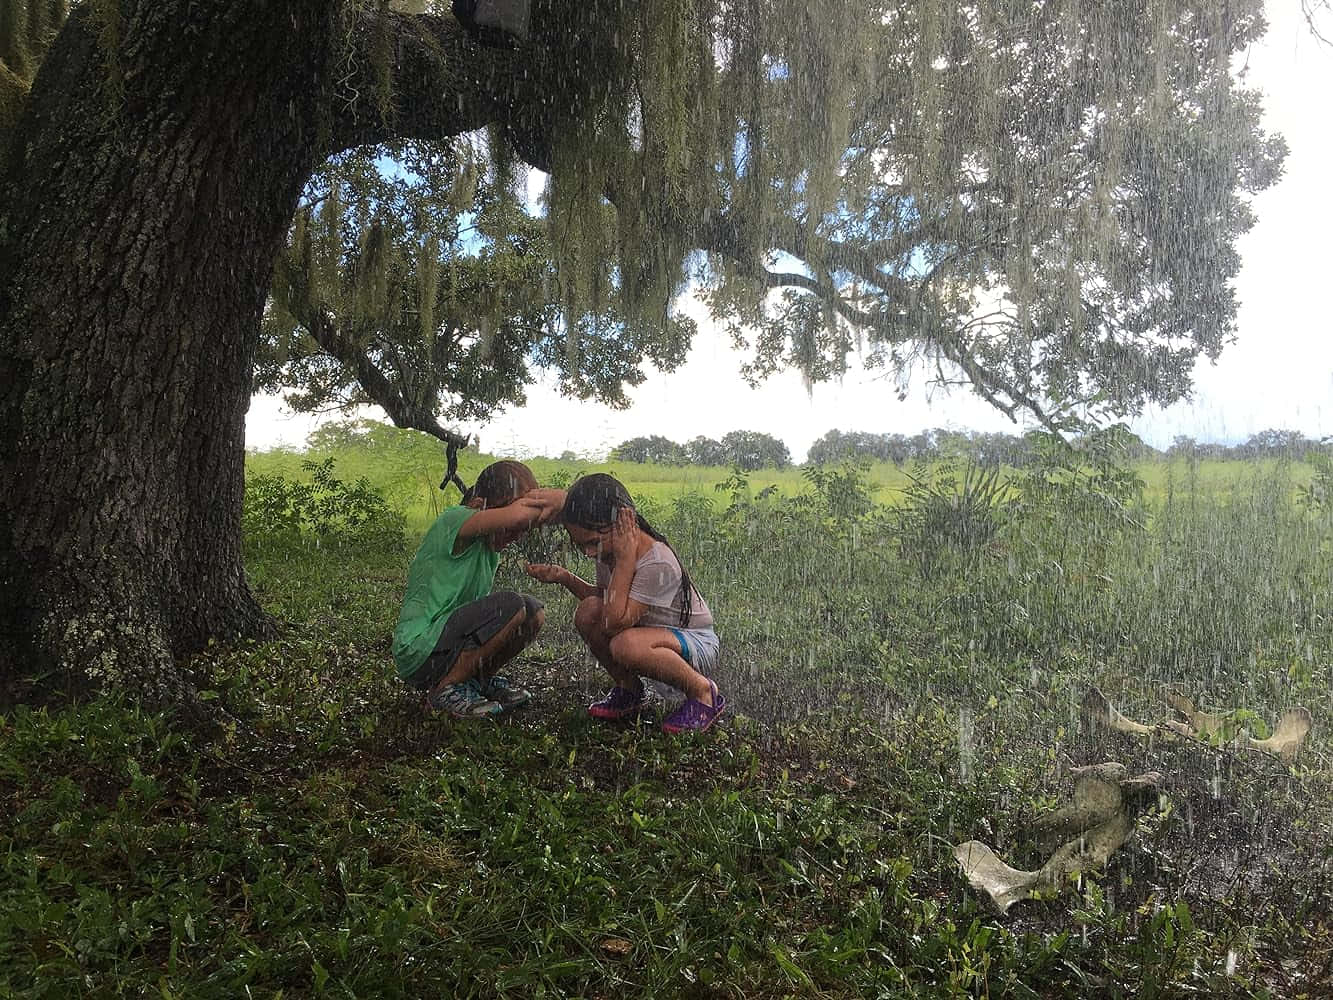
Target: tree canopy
x,y
1029,201
414,279
654,448
1038,202
747,450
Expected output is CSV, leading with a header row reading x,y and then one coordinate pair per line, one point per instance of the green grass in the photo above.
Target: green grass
x,y
407,468
337,841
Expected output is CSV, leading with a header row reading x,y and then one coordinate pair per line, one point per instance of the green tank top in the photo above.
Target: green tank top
x,y
438,584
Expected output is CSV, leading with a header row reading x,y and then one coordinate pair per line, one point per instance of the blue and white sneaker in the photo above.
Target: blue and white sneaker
x,y
463,700
507,695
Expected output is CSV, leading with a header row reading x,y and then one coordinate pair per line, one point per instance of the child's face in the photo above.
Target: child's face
x,y
592,542
503,539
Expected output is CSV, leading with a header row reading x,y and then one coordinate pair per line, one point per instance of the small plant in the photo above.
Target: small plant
x,y
737,486
941,514
842,495
1088,483
561,478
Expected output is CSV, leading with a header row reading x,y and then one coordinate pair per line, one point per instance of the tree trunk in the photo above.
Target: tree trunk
x,y
138,225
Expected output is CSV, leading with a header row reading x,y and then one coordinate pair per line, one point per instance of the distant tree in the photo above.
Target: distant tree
x,y
1136,448
993,449
898,448
705,451
655,448
1183,446
863,444
752,450
984,448
950,442
837,446
1273,443
828,449
922,446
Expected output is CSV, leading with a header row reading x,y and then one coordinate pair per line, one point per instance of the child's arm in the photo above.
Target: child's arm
x,y
547,573
523,513
552,501
619,610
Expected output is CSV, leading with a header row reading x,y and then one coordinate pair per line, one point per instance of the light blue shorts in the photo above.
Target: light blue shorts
x,y
698,647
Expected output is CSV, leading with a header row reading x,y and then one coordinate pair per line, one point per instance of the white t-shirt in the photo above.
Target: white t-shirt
x,y
656,585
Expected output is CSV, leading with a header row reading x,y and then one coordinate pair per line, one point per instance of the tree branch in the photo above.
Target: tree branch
x,y
326,332
1310,9
438,82
401,410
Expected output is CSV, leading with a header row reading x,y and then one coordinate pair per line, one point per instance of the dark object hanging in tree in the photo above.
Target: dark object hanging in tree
x,y
498,23
451,473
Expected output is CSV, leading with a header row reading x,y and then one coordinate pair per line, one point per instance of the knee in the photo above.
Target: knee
x,y
588,617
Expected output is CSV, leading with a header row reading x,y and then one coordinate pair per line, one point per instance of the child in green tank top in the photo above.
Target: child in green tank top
x,y
453,633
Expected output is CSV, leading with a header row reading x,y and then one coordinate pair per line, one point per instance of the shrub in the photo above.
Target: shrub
x,y
942,516
841,496
325,510
1318,494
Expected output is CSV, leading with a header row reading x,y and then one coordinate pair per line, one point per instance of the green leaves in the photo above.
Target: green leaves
x,y
336,839
414,277
324,510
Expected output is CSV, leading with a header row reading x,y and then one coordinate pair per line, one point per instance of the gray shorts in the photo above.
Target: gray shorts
x,y
699,647
471,627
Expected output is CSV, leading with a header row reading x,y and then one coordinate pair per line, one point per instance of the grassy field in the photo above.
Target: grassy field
x,y
407,468
906,670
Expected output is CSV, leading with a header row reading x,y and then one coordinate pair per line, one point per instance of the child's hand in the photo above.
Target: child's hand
x,y
527,512
624,540
552,502
547,573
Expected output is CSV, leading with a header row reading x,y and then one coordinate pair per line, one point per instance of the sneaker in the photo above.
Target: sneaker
x,y
463,700
694,716
499,690
619,703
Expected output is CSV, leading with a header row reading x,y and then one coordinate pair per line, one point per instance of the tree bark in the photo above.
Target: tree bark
x,y
141,211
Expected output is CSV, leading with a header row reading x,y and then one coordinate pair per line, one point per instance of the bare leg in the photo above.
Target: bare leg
x,y
656,653
516,634
588,621
519,641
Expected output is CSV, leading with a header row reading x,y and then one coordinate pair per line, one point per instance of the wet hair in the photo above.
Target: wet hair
x,y
595,501
501,483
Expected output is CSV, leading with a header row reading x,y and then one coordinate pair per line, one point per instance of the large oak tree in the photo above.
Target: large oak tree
x,y
1039,199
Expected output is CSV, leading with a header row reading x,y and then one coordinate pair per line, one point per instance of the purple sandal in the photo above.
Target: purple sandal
x,y
694,716
619,703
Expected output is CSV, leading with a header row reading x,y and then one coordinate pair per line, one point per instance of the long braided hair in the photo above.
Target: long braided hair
x,y
595,501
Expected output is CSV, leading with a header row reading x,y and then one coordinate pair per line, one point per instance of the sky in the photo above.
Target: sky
x,y
1278,373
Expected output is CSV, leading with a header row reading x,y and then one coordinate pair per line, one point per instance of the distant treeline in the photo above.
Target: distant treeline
x,y
755,450
748,450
